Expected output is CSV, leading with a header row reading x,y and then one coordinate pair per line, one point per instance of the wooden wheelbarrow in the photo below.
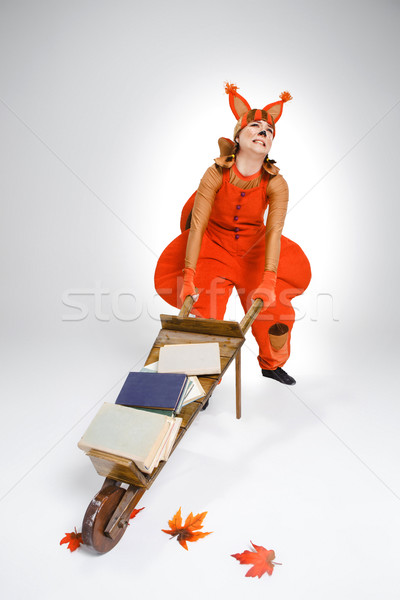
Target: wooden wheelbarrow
x,y
107,516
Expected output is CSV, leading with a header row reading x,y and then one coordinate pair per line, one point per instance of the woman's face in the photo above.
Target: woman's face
x,y
256,138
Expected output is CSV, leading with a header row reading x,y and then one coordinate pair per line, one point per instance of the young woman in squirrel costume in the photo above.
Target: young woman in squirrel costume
x,y
225,243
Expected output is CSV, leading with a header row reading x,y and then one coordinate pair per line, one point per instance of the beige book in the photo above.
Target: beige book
x,y
192,359
142,436
196,392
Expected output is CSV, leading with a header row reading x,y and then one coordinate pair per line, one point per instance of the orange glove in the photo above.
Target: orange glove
x,y
266,289
188,288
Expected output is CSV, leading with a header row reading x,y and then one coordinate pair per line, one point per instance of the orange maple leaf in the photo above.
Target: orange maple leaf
x,y
73,539
262,559
186,532
135,512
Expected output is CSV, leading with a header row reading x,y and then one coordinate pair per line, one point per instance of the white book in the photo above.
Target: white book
x,y
142,436
192,359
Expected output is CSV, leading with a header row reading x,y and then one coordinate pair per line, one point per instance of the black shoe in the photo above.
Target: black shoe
x,y
279,375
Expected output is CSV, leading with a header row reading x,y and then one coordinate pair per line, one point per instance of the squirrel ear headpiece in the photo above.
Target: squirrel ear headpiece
x,y
245,114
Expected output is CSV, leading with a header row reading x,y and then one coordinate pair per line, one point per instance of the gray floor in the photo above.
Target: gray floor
x,y
309,471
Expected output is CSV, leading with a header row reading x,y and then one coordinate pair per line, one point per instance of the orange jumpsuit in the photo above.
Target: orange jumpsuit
x,y
232,254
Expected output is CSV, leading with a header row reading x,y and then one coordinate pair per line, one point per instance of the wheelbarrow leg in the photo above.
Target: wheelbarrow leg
x,y
245,324
238,384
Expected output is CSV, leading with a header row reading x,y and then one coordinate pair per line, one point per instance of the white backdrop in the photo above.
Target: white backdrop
x,y
101,103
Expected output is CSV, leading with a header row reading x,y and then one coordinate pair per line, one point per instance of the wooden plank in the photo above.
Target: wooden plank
x,y
188,413
120,517
227,345
117,468
251,315
153,355
238,385
186,306
208,382
226,357
225,362
197,325
192,337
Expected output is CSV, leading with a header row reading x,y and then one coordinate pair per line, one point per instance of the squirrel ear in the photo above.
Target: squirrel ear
x,y
238,104
226,146
275,108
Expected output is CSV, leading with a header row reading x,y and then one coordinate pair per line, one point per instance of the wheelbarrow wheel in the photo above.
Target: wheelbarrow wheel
x,y
97,516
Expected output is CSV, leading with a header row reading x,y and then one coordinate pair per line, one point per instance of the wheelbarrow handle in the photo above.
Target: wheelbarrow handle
x,y
251,315
245,323
186,306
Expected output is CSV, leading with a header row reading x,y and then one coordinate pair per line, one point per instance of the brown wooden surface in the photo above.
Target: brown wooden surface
x,y
238,384
197,325
186,306
97,516
208,382
109,481
251,315
117,468
227,344
188,413
225,360
153,355
120,517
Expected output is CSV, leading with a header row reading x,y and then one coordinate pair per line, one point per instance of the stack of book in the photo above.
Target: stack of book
x,y
143,437
193,389
142,424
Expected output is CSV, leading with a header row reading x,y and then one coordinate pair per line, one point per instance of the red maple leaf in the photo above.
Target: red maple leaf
x,y
187,532
262,559
135,512
73,539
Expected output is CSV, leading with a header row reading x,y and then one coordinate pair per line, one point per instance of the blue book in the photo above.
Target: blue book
x,y
153,391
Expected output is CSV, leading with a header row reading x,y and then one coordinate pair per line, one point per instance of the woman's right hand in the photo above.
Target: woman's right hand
x,y
188,288
266,289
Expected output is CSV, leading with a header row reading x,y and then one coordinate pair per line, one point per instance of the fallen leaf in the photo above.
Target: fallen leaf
x,y
135,512
73,539
262,559
186,532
